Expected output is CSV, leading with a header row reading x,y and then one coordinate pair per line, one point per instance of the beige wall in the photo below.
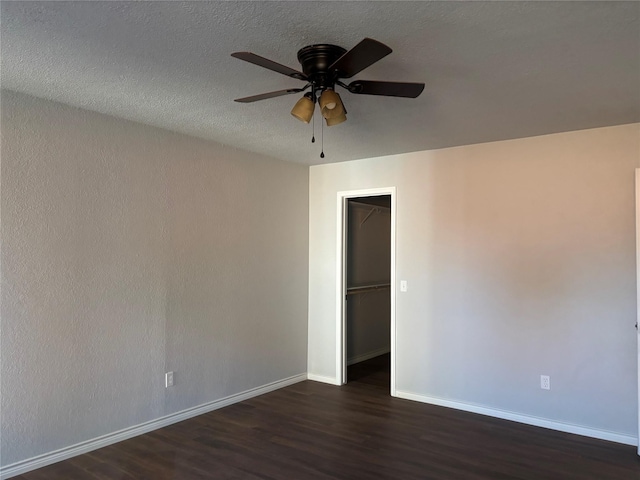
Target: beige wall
x,y
520,261
128,251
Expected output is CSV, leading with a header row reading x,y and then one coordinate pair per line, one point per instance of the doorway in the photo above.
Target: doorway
x,y
366,287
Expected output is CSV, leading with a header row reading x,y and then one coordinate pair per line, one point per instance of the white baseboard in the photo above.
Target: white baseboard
x,y
368,355
323,379
43,460
521,418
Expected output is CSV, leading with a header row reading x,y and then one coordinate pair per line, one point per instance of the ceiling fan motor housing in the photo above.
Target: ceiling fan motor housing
x,y
316,60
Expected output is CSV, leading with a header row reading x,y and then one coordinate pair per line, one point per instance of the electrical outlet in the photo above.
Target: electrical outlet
x,y
545,382
168,379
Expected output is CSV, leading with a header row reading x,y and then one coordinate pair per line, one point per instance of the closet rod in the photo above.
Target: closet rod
x,y
367,288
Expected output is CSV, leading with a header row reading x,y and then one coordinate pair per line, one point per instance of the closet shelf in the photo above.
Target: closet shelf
x,y
367,288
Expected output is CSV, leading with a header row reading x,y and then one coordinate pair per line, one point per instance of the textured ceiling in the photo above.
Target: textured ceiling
x,y
493,70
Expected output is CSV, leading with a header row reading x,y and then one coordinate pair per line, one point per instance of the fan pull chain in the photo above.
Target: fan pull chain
x,y
313,127
322,140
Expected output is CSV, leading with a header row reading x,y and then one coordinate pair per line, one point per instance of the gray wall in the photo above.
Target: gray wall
x,y
128,251
520,261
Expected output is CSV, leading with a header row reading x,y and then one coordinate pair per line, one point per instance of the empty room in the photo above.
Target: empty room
x,y
319,240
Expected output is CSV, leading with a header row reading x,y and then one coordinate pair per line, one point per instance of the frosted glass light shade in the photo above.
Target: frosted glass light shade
x,y
330,104
329,99
336,119
303,109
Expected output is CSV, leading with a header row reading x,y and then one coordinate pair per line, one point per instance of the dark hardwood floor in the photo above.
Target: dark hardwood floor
x,y
316,431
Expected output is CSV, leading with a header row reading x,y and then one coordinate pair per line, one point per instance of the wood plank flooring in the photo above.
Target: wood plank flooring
x,y
316,431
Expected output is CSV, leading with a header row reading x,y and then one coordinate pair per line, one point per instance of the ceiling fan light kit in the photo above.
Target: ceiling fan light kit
x,y
323,67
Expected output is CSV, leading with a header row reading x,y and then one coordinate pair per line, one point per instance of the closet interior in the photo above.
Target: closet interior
x,y
368,275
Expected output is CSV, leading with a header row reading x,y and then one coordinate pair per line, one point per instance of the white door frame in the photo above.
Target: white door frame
x,y
341,292
638,289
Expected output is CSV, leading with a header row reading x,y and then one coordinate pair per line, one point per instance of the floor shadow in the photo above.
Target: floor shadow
x,y
375,371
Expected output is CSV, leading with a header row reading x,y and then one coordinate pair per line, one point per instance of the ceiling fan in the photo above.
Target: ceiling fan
x,y
323,67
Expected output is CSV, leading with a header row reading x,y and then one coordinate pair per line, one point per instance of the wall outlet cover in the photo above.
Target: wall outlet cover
x,y
545,382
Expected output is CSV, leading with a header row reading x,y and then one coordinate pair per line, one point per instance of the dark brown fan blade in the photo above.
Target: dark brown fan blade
x,y
363,55
264,96
270,64
390,89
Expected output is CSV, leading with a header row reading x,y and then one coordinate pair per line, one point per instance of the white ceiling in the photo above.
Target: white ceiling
x,y
493,70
